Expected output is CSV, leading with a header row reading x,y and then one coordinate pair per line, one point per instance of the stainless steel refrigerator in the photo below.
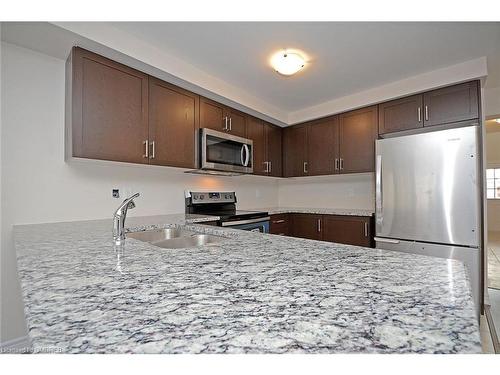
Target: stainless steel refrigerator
x,y
428,197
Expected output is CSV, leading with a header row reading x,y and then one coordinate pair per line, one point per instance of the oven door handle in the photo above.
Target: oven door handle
x,y
245,155
249,221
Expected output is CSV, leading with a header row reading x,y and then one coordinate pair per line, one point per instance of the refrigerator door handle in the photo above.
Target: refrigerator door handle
x,y
378,189
386,240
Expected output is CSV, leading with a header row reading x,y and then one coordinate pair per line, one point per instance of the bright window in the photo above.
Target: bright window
x,y
493,183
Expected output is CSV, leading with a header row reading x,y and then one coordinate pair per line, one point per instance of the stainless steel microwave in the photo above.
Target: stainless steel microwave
x,y
225,152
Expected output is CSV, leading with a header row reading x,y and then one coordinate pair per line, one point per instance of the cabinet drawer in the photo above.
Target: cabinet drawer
x,y
280,224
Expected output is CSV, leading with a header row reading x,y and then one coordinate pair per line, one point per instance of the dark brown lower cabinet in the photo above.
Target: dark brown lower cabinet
x,y
307,226
350,230
280,224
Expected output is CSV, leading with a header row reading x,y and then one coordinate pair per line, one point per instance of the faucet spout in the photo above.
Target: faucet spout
x,y
119,219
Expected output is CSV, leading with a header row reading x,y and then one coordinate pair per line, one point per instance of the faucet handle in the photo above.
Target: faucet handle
x,y
131,205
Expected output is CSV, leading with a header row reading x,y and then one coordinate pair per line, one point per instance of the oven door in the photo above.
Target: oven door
x,y
251,225
225,152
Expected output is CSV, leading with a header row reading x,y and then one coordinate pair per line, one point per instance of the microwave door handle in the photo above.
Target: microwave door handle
x,y
245,155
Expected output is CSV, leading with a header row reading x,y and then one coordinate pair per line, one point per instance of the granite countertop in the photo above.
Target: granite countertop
x,y
312,210
251,293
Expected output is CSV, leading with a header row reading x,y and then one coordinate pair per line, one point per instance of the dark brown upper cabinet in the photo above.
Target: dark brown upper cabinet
x,y
173,121
323,146
108,110
451,104
401,114
216,116
212,115
307,226
256,131
349,230
357,134
274,150
237,122
266,146
295,151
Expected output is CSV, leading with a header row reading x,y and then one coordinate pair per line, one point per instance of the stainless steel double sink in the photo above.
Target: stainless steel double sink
x,y
174,238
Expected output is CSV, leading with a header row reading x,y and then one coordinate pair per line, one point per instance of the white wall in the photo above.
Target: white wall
x,y
38,186
347,191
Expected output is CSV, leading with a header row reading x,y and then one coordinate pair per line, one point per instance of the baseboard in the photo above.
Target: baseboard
x,y
17,345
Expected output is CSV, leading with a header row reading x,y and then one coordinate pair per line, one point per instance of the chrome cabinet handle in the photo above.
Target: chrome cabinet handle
x,y
419,113
336,164
266,170
341,164
230,123
366,229
146,149
319,225
152,155
225,124
426,113
278,221
305,167
270,166
378,189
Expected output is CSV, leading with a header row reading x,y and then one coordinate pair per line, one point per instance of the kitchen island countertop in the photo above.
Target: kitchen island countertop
x,y
251,293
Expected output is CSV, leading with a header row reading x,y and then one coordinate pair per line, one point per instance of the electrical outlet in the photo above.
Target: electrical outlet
x,y
115,193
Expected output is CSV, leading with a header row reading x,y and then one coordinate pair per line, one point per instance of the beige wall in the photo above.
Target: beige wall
x,y
347,191
493,161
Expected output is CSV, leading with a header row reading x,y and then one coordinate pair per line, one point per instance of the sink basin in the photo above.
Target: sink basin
x,y
192,241
173,238
159,234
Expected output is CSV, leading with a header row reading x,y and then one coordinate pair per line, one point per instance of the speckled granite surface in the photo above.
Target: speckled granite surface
x,y
252,293
312,210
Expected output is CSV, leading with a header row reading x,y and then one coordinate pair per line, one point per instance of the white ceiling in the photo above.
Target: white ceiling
x,y
344,58
229,62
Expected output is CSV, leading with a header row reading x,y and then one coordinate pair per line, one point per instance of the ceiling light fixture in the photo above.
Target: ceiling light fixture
x,y
497,120
287,62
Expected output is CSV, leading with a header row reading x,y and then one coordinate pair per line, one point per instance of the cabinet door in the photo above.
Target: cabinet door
x,y
323,147
357,132
451,104
237,123
401,114
173,120
212,115
307,226
349,230
274,150
109,109
295,151
256,131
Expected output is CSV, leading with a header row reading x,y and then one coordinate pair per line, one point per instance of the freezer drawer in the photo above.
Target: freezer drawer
x,y
427,187
468,255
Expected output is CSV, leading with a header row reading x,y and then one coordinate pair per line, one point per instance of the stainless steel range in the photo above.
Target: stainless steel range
x,y
223,204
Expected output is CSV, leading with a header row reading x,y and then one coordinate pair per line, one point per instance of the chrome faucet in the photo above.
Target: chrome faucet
x,y
119,219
